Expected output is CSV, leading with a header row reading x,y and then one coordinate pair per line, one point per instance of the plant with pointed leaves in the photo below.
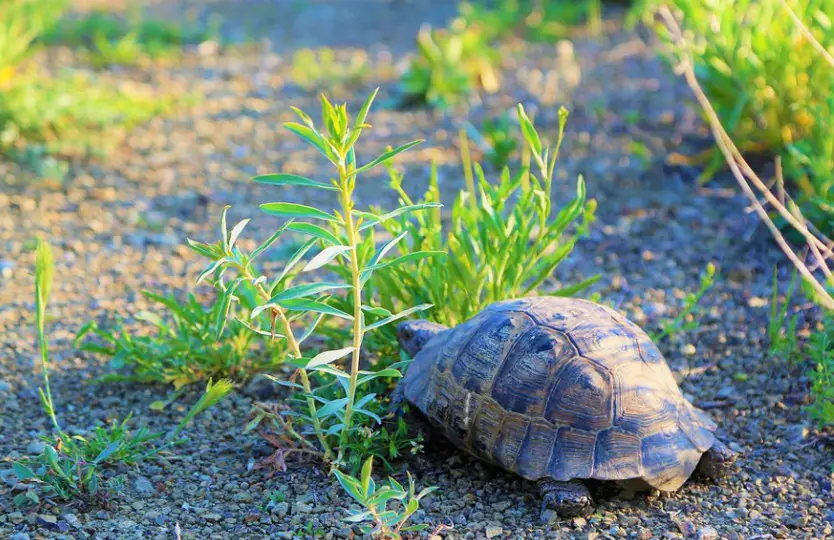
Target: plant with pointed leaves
x,y
384,524
69,466
502,242
331,419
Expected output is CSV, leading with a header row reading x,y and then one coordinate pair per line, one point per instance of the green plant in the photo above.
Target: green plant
x,y
686,318
450,63
768,84
537,20
109,39
502,241
781,330
69,466
22,22
193,343
73,114
385,523
321,69
331,421
497,138
820,350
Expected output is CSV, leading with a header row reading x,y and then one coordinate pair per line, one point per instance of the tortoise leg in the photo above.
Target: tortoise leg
x,y
567,499
717,461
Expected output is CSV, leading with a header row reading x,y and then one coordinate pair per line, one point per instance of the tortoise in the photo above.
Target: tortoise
x,y
560,390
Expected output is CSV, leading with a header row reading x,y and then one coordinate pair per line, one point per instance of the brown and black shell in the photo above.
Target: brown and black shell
x,y
560,388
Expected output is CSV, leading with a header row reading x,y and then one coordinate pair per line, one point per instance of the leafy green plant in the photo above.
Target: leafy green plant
x,y
73,114
193,343
767,83
70,466
449,65
820,350
686,320
22,22
321,69
502,241
380,521
781,330
331,421
109,39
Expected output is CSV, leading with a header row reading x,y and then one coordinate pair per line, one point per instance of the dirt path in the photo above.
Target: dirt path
x,y
119,227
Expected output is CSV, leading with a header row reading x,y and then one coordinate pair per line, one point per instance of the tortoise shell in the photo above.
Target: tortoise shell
x,y
560,388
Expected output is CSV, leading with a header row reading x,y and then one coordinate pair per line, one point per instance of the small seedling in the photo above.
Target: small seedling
x,y
377,519
781,329
686,320
70,466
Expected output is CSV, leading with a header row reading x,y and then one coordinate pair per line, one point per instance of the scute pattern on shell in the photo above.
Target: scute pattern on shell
x,y
560,388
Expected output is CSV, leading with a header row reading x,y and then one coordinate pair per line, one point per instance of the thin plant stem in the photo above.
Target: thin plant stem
x,y
466,158
353,241
295,350
44,267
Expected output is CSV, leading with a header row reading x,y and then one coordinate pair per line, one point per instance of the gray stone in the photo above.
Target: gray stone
x,y
494,530
707,533
143,487
35,448
19,536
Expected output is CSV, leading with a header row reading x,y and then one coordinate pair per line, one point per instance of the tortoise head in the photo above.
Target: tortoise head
x,y
412,335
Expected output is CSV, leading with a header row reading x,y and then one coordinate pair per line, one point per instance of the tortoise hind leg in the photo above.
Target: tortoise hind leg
x,y
567,499
717,461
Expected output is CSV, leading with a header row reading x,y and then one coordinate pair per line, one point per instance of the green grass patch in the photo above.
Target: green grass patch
x,y
110,39
769,85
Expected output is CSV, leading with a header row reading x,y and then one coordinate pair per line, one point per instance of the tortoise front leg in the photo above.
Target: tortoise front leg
x,y
567,499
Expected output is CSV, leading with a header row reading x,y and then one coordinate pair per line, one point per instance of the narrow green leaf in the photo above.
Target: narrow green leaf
x,y
303,304
404,258
367,467
325,256
299,253
283,179
529,132
236,230
107,452
328,357
297,210
271,240
396,317
223,312
385,157
314,230
310,135
210,270
307,289
22,471
371,219
223,229
332,408
366,107
350,485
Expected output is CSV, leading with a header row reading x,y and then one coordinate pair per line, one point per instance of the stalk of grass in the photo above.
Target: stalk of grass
x,y
44,271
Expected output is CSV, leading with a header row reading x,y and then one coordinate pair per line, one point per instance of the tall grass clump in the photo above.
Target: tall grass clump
x,y
503,240
70,467
768,82
333,408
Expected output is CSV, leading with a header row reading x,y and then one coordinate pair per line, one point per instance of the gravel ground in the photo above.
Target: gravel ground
x,y
119,227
